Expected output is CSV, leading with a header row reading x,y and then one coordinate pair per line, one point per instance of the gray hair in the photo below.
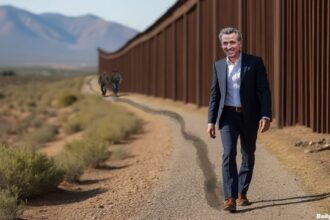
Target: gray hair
x,y
230,30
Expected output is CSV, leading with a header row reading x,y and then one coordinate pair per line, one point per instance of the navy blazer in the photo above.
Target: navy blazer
x,y
254,90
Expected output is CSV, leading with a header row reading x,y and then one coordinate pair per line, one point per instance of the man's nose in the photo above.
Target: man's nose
x,y
228,47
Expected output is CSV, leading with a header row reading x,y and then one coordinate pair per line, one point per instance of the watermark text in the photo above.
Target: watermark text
x,y
322,216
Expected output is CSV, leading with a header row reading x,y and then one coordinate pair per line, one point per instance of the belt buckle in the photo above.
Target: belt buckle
x,y
237,109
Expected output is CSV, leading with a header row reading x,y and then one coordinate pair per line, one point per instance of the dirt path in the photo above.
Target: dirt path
x,y
174,173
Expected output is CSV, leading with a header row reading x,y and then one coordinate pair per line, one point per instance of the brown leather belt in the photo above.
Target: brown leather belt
x,y
233,108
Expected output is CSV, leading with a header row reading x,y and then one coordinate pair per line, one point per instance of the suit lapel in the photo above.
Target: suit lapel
x,y
223,76
244,67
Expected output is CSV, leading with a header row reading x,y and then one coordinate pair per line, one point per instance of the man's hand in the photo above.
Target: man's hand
x,y
264,125
211,130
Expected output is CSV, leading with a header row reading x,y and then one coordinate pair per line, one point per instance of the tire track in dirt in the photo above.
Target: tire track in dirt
x,y
212,192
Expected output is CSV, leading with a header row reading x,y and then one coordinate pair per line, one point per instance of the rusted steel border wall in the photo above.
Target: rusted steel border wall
x,y
173,58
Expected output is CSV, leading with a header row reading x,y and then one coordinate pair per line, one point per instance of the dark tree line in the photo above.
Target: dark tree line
x,y
8,73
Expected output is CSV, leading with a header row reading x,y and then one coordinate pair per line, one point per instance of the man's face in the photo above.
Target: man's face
x,y
231,46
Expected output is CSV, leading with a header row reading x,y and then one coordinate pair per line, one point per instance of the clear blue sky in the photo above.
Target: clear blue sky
x,y
138,14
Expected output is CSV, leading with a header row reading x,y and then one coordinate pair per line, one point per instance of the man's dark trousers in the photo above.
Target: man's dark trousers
x,y
232,126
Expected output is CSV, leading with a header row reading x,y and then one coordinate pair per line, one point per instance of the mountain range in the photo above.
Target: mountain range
x,y
28,39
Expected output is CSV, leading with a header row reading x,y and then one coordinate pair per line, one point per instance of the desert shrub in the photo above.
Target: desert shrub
x,y
48,113
80,154
107,132
37,123
128,124
72,165
103,121
28,172
93,153
32,96
8,73
67,100
33,120
6,128
72,127
2,95
31,104
13,129
9,206
112,129
63,118
23,125
75,109
41,135
118,153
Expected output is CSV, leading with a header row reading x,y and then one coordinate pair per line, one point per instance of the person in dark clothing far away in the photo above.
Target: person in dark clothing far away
x,y
115,79
103,81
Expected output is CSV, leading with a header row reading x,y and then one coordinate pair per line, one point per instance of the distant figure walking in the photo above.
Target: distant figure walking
x,y
104,83
116,79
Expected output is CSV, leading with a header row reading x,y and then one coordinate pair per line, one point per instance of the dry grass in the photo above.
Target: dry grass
x,y
102,121
35,113
78,155
41,135
9,207
66,100
26,106
103,124
27,172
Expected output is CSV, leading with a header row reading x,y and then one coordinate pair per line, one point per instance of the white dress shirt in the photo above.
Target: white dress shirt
x,y
233,83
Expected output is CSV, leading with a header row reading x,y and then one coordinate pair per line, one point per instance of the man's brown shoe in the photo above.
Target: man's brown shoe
x,y
230,205
242,200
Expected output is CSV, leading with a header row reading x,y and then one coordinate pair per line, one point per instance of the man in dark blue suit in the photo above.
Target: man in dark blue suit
x,y
240,97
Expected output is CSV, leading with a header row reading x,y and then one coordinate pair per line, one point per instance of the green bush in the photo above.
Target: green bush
x,y
8,129
63,117
67,100
28,172
118,153
113,129
33,98
23,125
32,104
33,120
72,127
9,207
48,113
8,73
103,121
103,124
92,153
41,135
72,166
80,154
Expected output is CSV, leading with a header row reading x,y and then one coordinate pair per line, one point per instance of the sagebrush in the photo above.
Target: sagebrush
x,y
28,172
79,155
10,208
